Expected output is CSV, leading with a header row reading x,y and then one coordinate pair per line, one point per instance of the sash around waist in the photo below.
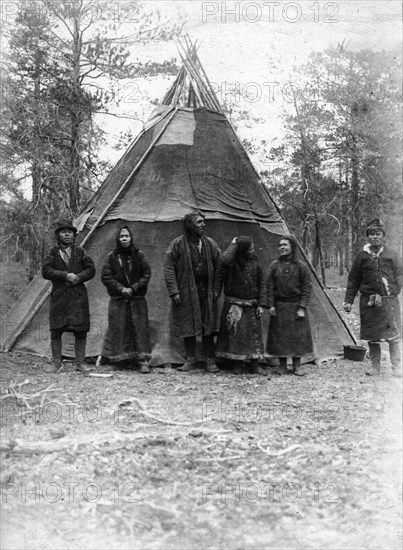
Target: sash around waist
x,y
238,302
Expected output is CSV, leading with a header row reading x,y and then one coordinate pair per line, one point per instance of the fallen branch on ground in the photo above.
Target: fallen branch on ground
x,y
23,399
156,418
279,453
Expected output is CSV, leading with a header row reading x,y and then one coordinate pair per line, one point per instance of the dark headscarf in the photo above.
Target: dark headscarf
x,y
119,247
294,247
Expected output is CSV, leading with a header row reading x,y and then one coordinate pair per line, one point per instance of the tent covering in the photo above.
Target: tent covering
x,y
197,163
185,158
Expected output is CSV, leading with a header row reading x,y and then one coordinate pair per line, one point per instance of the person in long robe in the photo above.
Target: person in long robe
x,y
192,274
377,274
240,335
126,274
68,266
288,292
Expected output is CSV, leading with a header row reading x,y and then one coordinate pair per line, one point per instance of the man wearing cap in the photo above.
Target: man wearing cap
x,y
68,267
377,274
193,278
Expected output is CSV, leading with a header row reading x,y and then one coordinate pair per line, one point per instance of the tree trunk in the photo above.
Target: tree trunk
x,y
75,121
355,210
340,259
318,246
35,255
74,185
349,247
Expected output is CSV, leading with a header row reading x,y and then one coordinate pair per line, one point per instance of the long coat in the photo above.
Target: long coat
x,y
69,308
380,274
240,336
289,288
179,278
128,333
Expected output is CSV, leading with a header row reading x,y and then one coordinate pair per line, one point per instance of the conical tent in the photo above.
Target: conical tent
x,y
187,157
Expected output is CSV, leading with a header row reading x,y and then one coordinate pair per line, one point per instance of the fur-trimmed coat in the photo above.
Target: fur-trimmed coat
x,y
381,276
377,274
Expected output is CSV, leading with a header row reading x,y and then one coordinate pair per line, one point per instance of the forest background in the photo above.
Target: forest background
x,y
313,90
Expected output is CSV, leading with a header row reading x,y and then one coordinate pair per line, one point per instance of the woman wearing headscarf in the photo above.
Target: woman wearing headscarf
x,y
377,274
288,293
240,336
126,274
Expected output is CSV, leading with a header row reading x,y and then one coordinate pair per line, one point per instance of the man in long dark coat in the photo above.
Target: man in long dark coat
x,y
193,277
68,267
377,274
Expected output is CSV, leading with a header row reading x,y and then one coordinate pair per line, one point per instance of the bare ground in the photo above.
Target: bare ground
x,y
190,461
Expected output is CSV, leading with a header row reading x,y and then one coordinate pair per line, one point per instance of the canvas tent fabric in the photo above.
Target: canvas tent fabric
x,y
206,168
184,159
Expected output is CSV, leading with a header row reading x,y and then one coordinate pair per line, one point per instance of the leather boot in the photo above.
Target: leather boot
x,y
210,365
144,367
375,358
79,348
395,357
255,368
189,365
239,368
296,368
56,348
283,365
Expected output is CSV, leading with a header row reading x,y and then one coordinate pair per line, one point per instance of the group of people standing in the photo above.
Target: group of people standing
x,y
195,273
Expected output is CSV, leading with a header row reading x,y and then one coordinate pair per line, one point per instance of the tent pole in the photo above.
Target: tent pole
x,y
8,345
213,94
201,90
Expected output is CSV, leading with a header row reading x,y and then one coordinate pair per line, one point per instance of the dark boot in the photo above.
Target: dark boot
x,y
395,357
239,368
144,367
283,365
255,368
189,365
296,366
79,348
210,365
375,358
56,348
190,350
